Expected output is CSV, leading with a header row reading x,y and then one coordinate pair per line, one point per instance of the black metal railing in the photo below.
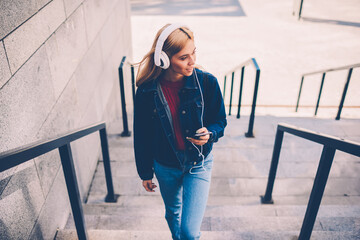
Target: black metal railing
x,y
350,67
251,61
133,83
126,132
301,3
331,144
21,155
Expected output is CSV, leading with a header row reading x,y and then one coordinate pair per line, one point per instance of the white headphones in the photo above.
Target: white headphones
x,y
161,59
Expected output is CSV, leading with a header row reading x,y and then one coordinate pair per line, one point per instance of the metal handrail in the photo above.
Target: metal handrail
x,y
251,61
333,69
331,144
14,157
341,105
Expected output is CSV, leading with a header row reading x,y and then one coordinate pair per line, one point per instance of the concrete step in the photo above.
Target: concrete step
x,y
226,211
249,150
155,199
243,168
235,186
69,234
250,223
255,223
239,177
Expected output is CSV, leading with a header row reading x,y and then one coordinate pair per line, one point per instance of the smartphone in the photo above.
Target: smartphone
x,y
197,135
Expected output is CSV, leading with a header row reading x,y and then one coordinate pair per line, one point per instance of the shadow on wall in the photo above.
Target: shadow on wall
x,y
188,7
4,232
21,183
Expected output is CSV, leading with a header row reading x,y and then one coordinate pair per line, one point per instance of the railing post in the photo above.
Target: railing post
x,y
133,83
224,88
126,132
321,87
231,91
317,192
298,100
344,94
252,115
240,92
73,190
267,198
111,196
300,10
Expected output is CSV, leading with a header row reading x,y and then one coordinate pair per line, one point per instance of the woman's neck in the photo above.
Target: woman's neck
x,y
172,76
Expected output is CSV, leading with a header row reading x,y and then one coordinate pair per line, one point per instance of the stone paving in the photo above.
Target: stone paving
x,y
229,32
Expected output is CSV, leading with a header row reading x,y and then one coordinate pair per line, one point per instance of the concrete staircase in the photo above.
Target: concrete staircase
x,y
239,177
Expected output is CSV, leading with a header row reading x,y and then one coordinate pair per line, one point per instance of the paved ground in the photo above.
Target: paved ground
x,y
230,32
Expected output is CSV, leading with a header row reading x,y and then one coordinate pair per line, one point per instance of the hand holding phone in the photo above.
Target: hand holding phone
x,y
198,135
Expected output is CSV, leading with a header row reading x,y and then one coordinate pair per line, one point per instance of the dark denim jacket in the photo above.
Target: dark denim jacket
x,y
153,131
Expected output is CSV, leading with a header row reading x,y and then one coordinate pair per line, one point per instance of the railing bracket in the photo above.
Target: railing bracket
x,y
265,201
112,199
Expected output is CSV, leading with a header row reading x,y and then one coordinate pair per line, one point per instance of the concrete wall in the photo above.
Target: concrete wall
x,y
58,72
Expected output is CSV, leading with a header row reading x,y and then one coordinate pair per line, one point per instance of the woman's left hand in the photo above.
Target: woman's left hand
x,y
202,139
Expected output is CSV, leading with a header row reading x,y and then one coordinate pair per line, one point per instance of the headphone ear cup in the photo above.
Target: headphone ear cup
x,y
164,60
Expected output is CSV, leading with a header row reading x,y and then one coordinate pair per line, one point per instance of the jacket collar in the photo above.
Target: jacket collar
x,y
150,86
190,83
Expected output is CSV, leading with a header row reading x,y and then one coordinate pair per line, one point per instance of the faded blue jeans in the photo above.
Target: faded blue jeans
x,y
185,196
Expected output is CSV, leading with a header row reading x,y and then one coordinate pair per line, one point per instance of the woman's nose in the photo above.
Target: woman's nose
x,y
192,60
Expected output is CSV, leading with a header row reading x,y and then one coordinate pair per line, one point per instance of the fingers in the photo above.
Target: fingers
x,y
149,185
198,142
202,139
202,130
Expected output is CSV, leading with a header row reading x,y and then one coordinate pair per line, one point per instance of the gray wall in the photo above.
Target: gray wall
x,y
58,72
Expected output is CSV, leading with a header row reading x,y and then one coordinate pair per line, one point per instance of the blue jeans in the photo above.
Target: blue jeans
x,y
185,193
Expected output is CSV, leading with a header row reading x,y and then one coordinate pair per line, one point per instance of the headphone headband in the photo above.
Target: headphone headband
x,y
161,40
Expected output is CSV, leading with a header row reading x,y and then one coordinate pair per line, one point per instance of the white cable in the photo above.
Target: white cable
x,y
202,125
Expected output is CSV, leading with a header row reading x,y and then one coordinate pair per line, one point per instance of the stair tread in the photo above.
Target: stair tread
x,y
209,235
227,211
252,223
155,199
239,177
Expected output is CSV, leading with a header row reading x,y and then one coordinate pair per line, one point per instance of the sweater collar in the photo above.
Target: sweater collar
x,y
190,83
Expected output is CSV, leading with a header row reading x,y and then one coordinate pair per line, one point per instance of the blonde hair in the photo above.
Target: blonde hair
x,y
174,43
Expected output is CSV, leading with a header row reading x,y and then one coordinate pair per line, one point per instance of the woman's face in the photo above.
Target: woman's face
x,y
184,61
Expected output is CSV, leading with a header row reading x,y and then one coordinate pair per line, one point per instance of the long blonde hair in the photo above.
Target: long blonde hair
x,y
173,44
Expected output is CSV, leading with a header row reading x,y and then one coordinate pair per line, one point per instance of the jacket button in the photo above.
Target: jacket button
x,y
187,131
155,110
183,112
194,163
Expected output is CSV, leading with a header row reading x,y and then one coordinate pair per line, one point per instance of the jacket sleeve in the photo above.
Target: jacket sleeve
x,y
142,137
215,116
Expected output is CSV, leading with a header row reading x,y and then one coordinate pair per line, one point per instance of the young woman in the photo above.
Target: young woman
x,y
174,101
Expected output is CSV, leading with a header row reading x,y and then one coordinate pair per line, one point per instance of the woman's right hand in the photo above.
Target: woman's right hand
x,y
149,185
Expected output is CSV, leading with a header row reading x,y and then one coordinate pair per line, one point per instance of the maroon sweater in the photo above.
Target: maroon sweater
x,y
171,93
